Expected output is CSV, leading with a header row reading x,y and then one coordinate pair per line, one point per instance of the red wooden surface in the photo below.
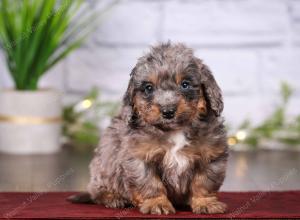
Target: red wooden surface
x,y
54,205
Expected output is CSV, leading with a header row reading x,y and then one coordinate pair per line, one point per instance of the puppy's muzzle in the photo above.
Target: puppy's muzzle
x,y
168,112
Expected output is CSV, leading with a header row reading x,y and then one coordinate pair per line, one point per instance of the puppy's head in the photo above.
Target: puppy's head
x,y
169,88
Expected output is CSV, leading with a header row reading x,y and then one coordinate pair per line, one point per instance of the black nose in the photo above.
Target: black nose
x,y
168,113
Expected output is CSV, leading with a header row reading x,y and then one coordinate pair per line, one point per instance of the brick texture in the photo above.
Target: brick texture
x,y
250,45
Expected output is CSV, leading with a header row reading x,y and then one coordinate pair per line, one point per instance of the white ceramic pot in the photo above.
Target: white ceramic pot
x,y
30,121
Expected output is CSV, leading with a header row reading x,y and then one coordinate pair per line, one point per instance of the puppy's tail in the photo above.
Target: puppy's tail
x,y
80,198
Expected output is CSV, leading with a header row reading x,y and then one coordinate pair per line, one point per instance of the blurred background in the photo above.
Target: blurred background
x,y
251,46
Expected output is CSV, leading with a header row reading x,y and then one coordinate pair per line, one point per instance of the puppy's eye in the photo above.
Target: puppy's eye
x,y
186,85
149,89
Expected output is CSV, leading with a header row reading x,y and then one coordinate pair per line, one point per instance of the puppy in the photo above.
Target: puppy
x,y
168,144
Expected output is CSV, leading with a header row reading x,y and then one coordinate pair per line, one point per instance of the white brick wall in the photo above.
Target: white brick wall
x,y
236,70
250,45
131,22
226,22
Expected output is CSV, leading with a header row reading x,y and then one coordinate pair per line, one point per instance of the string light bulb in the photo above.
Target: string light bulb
x,y
238,137
87,103
83,105
241,135
231,141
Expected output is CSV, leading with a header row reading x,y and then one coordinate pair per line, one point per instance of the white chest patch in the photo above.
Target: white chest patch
x,y
173,159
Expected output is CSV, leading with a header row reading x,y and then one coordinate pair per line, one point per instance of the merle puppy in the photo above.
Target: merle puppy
x,y
168,144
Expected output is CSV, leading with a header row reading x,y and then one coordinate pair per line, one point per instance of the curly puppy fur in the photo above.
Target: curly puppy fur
x,y
168,144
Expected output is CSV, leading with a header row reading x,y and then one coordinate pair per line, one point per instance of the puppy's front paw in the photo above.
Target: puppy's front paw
x,y
157,205
111,200
208,205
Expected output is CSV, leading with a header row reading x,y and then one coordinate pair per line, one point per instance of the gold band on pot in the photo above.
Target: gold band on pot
x,y
29,119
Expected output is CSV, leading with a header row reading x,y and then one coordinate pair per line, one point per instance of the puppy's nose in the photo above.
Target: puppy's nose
x,y
169,112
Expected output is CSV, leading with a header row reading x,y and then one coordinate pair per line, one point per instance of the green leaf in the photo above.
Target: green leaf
x,y
37,34
286,92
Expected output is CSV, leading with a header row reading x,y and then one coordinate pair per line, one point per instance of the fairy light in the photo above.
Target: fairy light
x,y
231,141
83,105
241,135
87,103
238,137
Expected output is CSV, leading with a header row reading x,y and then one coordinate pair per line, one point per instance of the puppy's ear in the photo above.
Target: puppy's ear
x,y
130,114
212,91
128,97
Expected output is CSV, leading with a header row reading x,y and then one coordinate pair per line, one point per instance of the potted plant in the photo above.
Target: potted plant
x,y
34,36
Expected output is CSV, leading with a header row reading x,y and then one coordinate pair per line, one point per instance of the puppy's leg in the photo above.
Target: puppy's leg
x,y
148,192
103,195
111,200
202,200
204,187
157,205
